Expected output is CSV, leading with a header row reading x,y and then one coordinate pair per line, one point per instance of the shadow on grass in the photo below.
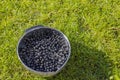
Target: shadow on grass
x,y
85,64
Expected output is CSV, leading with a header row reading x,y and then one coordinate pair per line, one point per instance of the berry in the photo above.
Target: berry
x,y
44,50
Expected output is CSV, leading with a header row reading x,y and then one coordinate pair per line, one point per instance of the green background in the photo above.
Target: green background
x,y
92,26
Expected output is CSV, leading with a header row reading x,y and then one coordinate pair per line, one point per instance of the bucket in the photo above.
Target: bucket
x,y
43,50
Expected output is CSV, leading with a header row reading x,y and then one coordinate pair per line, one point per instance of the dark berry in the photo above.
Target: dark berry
x,y
44,50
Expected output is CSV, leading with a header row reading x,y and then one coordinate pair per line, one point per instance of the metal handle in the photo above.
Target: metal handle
x,y
34,27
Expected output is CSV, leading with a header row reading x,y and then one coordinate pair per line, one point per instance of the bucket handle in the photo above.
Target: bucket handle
x,y
34,27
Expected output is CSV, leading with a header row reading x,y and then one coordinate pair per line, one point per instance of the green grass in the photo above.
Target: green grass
x,y
92,26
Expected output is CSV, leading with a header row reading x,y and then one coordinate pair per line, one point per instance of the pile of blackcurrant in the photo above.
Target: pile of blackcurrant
x,y
44,50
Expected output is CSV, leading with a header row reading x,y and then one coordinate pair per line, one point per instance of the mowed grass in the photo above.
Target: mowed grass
x,y
92,26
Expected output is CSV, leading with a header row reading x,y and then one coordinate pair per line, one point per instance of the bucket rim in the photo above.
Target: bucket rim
x,y
40,72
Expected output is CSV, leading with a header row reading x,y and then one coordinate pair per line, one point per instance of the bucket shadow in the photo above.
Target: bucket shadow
x,y
85,64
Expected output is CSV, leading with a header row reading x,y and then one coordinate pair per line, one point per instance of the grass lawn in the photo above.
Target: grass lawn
x,y
92,26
